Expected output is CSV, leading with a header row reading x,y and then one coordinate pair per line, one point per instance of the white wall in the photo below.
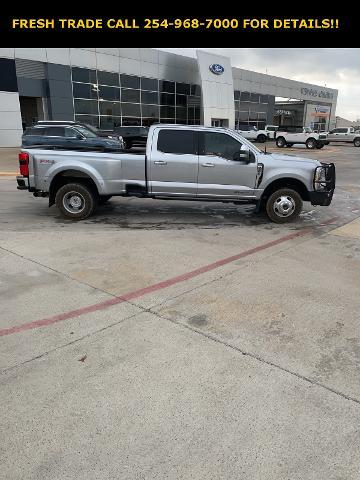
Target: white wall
x,y
10,120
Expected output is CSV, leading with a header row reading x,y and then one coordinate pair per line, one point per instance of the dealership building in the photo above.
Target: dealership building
x,y
107,87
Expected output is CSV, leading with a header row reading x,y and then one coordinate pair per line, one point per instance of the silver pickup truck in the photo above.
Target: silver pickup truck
x,y
180,162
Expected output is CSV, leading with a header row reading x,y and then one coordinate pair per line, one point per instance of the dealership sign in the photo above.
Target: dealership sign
x,y
321,111
312,92
217,68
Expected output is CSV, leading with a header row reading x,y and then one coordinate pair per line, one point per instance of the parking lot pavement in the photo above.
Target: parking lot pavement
x,y
181,340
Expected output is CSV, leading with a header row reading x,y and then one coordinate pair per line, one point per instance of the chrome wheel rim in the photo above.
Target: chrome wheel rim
x,y
73,202
311,144
284,206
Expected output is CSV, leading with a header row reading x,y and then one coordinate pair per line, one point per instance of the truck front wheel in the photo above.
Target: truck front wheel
x,y
76,201
284,205
357,142
261,138
310,143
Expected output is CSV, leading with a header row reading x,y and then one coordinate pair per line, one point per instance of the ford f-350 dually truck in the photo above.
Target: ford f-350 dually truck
x,y
180,162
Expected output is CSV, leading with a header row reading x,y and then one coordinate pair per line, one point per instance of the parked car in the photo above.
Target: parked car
x,y
344,134
188,162
68,136
289,135
92,128
132,135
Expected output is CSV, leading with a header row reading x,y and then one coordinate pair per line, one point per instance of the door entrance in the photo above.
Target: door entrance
x,y
31,110
219,122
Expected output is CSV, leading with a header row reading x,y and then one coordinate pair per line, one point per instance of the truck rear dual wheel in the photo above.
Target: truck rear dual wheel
x,y
76,201
280,142
284,205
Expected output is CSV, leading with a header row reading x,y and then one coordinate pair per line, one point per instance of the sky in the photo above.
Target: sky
x,y
331,67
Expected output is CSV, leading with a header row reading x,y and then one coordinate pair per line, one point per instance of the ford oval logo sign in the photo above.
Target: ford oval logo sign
x,y
217,69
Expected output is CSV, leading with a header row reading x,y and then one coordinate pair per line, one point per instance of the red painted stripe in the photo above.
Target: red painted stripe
x,y
153,288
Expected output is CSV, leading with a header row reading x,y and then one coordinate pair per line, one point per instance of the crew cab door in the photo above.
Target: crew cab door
x,y
173,163
223,172
337,135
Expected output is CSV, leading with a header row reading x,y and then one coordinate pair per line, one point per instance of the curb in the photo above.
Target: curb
x,y
9,174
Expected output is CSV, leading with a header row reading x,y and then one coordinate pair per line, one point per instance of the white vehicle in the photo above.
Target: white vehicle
x,y
344,134
271,131
250,132
288,136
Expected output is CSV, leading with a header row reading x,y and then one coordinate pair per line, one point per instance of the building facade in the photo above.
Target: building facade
x,y
108,87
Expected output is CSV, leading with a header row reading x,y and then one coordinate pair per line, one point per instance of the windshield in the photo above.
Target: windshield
x,y
86,132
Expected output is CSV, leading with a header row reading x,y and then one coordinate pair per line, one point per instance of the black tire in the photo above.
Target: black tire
x,y
310,143
357,142
103,199
284,205
128,144
76,201
319,146
261,138
280,142
289,145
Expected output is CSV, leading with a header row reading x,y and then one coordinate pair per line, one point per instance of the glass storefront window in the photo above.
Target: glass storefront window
x,y
150,97
245,96
109,93
83,75
107,78
181,112
167,112
86,106
131,121
236,95
128,95
109,108
109,122
90,119
166,86
264,98
167,99
149,84
149,121
254,97
181,100
183,88
85,90
129,81
103,98
150,111
195,90
130,109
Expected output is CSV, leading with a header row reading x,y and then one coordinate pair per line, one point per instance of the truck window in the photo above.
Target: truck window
x,y
219,144
176,141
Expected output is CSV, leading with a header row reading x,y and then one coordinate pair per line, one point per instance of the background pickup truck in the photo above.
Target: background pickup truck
x,y
288,136
181,162
348,135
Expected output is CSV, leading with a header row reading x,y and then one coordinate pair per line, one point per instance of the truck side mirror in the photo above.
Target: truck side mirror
x,y
244,156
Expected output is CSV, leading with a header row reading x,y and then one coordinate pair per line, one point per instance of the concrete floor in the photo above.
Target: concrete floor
x,y
181,340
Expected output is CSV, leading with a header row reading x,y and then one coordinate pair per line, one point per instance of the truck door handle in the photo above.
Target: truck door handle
x,y
208,164
160,162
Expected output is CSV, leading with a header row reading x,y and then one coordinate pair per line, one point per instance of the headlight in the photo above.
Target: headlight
x,y
320,178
